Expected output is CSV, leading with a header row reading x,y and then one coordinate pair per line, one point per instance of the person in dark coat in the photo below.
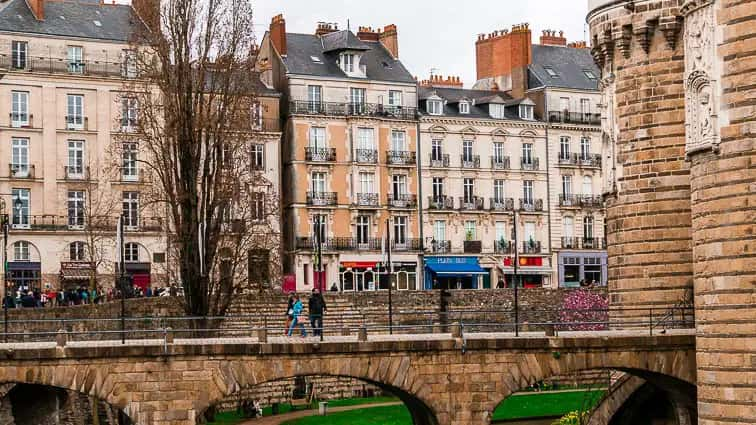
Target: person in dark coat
x,y
28,301
317,307
289,312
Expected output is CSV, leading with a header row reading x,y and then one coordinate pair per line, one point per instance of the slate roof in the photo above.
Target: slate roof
x,y
73,19
342,40
480,98
380,66
569,63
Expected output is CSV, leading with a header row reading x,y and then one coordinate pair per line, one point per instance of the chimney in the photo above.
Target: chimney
x,y
390,40
38,8
552,38
578,45
326,28
367,34
499,53
439,81
149,12
278,34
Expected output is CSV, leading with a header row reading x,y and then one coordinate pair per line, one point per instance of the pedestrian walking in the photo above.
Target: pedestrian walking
x,y
289,312
296,313
316,306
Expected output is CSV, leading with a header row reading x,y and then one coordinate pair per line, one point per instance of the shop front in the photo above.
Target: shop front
x,y
454,273
359,276
532,272
75,274
588,268
139,273
25,275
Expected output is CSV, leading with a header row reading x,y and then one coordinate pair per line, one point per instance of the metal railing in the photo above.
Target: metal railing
x,y
50,222
352,109
593,243
568,117
531,205
566,200
442,202
503,247
320,154
401,158
20,120
21,171
500,163
366,156
501,204
533,164
472,247
320,199
75,173
61,65
440,247
402,200
470,161
531,247
440,162
473,203
366,200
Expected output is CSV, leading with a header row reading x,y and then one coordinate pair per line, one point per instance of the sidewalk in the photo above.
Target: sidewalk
x,y
279,419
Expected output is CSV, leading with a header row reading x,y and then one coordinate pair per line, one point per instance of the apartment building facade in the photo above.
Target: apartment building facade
x,y
349,165
484,183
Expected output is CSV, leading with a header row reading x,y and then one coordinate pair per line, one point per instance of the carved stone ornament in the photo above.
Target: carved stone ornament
x,y
700,82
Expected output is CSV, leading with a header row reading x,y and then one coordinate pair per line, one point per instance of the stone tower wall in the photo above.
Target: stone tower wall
x,y
637,46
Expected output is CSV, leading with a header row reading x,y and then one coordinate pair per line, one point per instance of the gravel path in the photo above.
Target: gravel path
x,y
279,419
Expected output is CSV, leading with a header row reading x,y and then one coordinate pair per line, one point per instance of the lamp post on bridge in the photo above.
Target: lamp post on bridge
x,y
17,203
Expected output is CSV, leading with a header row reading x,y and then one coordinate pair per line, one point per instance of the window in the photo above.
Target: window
x,y
21,251
75,117
76,251
549,70
564,104
347,62
366,182
566,186
527,191
435,107
258,156
530,231
436,150
470,230
464,108
569,228
318,182
358,100
20,157
499,195
585,148
399,184
501,231
75,59
19,51
131,252
526,112
588,227
468,188
438,188
498,151
258,266
589,74
585,106
527,153
131,209
258,205
363,230
76,208
592,270
317,137
366,139
75,158
20,109
20,212
129,168
129,64
395,98
319,223
587,186
314,98
439,230
564,148
128,114
398,141
400,230
467,151
496,111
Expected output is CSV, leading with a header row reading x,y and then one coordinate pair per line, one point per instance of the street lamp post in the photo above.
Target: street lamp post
x,y
390,276
17,203
516,278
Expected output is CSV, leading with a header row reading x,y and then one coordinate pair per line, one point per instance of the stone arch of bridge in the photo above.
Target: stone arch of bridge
x,y
393,374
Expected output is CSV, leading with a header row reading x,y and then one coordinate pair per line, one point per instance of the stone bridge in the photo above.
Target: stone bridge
x,y
443,380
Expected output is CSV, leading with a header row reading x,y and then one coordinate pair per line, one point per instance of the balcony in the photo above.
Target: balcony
x,y
531,205
129,175
590,160
531,164
568,158
366,200
320,154
366,156
593,243
470,161
440,247
501,204
75,173
406,244
442,202
474,203
589,201
500,163
352,109
503,247
402,200
53,223
339,244
60,65
244,124
568,117
322,199
472,247
21,171
569,201
441,161
401,158
531,247
20,120
77,123
570,242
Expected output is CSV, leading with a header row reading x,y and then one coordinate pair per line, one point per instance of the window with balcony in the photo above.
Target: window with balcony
x,y
367,182
77,251
76,59
76,208
470,230
319,227
129,165
21,202
527,191
564,104
499,152
20,157
357,100
399,185
318,182
437,150
567,186
588,227
314,98
19,109
526,112
527,154
501,231
585,106
395,98
467,151
585,148
564,148
438,188
400,230
21,251
464,108
468,189
398,141
131,209
568,227
366,152
128,114
497,111
19,53
258,156
317,138
258,206
129,64
75,111
439,230
587,186
75,159
499,194
131,252
363,230
530,231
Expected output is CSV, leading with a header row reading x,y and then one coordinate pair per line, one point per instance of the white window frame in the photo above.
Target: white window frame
x,y
568,225
347,62
585,148
464,108
587,186
366,138
317,138
20,216
319,184
499,152
468,189
367,181
129,114
467,151
76,209
438,187
130,162
395,98
499,190
439,230
400,229
75,58
20,156
75,159
588,227
437,150
75,112
21,251
497,111
314,98
19,109
19,54
77,251
435,107
362,230
399,185
527,191
398,141
131,210
527,153
564,147
257,152
131,252
526,112
471,227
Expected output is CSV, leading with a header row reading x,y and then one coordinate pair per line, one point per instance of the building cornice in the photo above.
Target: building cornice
x,y
482,122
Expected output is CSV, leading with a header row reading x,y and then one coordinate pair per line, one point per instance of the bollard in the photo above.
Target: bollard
x,y
262,336
345,331
550,329
362,336
62,338
456,330
168,335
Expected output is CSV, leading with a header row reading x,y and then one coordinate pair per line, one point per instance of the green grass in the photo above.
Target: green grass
x,y
226,418
540,405
387,415
360,401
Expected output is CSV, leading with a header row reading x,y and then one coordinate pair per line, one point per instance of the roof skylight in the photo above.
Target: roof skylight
x,y
549,70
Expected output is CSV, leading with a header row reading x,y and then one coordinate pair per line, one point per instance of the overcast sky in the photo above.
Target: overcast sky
x,y
438,34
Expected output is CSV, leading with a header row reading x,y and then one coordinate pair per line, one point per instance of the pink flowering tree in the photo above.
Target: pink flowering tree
x,y
584,310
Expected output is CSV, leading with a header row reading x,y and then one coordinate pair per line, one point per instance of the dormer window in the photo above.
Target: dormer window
x,y
549,70
464,108
496,111
347,62
589,74
435,107
526,112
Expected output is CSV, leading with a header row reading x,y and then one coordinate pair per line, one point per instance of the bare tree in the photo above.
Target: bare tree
x,y
197,107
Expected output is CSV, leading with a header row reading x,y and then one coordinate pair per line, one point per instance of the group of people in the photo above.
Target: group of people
x,y
26,297
316,308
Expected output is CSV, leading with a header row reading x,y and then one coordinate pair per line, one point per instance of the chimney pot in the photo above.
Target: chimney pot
x,y
278,34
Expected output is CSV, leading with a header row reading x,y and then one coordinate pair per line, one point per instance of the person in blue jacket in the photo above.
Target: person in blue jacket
x,y
297,320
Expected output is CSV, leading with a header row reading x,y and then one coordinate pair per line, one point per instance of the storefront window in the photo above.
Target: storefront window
x,y
593,271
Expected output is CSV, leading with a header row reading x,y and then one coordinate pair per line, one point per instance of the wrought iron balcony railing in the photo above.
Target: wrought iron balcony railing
x,y
471,161
352,109
529,164
322,199
367,200
320,154
402,200
21,171
590,160
339,244
473,203
440,161
568,117
472,247
440,247
566,200
570,242
500,163
590,201
61,65
593,243
49,223
531,247
366,156
503,247
78,172
501,204
400,157
531,205
442,202
566,158
406,244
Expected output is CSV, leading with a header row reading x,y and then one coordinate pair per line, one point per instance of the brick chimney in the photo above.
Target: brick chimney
x,y
148,11
368,34
500,52
390,40
439,81
278,34
324,28
578,45
552,38
38,8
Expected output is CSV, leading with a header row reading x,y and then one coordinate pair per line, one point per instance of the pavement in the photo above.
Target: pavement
x,y
279,419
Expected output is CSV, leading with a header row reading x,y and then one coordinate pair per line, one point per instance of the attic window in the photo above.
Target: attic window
x,y
435,107
98,23
496,111
464,108
589,74
549,70
526,112
316,59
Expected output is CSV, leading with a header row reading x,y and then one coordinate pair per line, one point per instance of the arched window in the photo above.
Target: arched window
x,y
131,252
21,251
76,251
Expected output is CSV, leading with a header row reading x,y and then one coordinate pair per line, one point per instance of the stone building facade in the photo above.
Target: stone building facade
x,y
677,79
